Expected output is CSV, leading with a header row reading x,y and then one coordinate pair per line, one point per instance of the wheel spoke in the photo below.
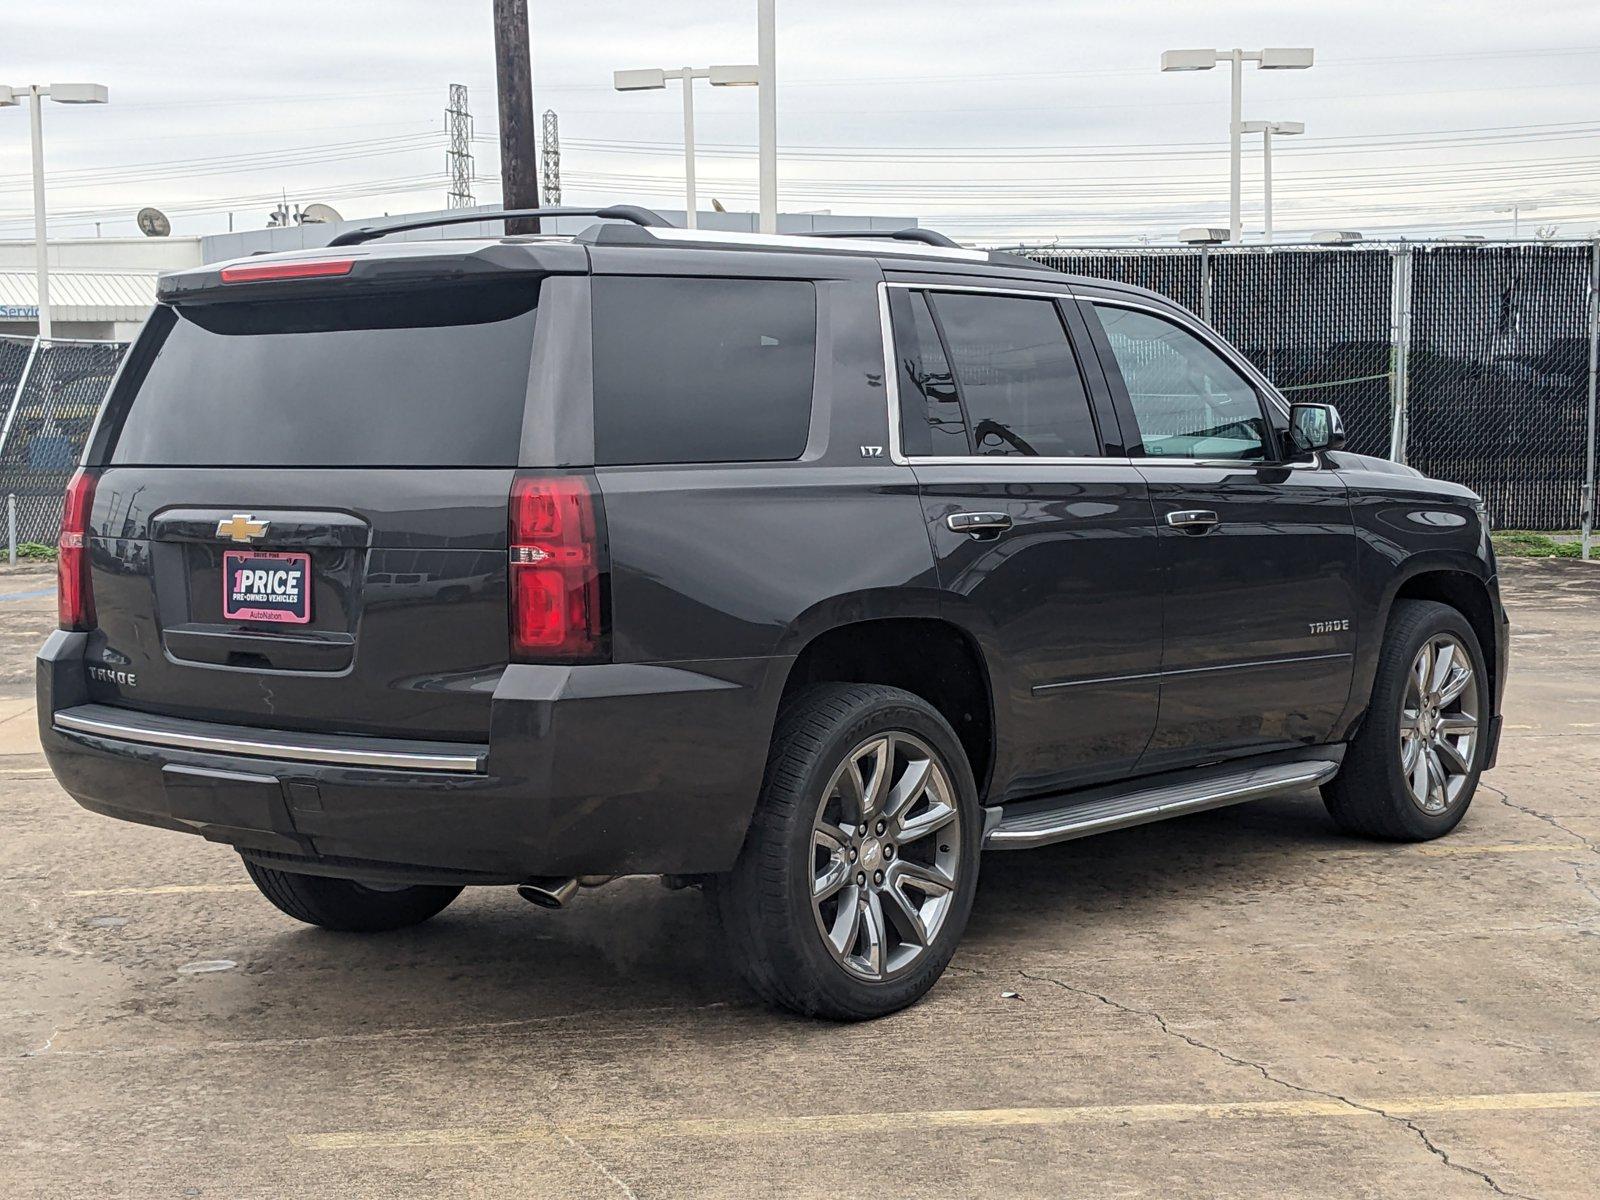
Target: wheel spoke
x,y
1443,662
828,836
932,819
1450,757
1437,779
873,926
1457,683
931,881
833,877
1419,775
1422,669
906,916
1456,724
1410,747
847,921
908,789
875,787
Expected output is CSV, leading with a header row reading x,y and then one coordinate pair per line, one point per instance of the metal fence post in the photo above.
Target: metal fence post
x,y
1399,353
1205,284
11,526
1594,370
16,396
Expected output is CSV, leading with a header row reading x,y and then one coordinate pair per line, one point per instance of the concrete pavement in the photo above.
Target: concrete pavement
x,y
1243,1003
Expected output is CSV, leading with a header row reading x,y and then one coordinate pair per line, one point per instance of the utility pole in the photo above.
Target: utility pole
x,y
458,120
550,188
519,147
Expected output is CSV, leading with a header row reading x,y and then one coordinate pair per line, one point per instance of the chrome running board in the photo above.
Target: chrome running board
x,y
1038,823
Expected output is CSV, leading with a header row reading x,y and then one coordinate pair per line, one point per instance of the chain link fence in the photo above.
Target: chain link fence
x,y
53,391
1470,362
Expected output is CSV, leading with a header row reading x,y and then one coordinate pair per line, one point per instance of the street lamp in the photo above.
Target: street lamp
x,y
1281,59
61,93
1266,129
1516,217
656,78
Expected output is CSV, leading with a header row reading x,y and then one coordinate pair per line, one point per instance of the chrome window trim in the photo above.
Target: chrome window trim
x,y
891,383
276,746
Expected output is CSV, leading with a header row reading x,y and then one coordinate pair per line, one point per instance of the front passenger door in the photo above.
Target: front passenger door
x,y
1259,556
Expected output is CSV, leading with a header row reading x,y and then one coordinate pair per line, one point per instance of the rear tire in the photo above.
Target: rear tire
x,y
858,872
1411,770
346,905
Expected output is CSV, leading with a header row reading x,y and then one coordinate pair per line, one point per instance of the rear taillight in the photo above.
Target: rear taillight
x,y
557,570
74,595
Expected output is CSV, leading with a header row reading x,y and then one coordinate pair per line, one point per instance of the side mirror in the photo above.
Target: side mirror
x,y
1314,427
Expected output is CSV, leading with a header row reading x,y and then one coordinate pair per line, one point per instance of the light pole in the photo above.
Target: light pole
x,y
1516,218
767,110
1266,129
1280,59
61,93
654,78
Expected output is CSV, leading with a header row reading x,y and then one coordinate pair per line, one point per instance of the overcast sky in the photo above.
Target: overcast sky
x,y
998,121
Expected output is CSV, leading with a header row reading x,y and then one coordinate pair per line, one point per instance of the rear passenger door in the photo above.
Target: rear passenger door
x,y
1041,529
1259,554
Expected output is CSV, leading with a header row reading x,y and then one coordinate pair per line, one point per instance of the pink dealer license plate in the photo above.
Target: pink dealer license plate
x,y
266,585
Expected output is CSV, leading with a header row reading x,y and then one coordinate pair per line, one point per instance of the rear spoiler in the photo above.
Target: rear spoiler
x,y
331,270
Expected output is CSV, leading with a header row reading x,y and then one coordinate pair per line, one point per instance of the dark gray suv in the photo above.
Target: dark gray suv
x,y
802,570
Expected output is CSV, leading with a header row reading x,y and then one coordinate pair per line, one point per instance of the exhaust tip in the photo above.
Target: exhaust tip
x,y
548,893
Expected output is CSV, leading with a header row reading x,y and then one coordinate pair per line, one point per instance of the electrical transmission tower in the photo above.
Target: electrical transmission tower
x,y
458,158
550,167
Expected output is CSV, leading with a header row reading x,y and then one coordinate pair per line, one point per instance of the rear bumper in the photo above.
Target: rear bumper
x,y
608,769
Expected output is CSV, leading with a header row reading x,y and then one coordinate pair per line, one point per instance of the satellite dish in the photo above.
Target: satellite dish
x,y
320,214
716,205
153,222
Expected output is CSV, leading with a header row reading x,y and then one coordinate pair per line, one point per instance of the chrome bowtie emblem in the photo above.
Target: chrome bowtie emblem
x,y
242,527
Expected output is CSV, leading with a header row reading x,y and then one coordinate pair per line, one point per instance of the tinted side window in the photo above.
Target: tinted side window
x,y
1017,376
931,420
1188,401
702,370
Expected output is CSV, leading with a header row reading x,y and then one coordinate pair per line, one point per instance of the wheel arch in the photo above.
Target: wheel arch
x,y
915,647
1456,582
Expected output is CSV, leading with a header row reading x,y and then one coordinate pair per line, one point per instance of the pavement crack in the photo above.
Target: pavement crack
x,y
1588,842
1422,1135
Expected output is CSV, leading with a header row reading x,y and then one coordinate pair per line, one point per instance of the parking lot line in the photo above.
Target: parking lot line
x,y
1443,848
971,1118
168,889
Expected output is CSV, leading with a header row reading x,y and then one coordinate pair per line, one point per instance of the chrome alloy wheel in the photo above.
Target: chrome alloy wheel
x,y
886,851
1439,724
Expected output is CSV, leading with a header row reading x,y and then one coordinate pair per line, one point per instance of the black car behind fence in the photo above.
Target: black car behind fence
x,y
1472,362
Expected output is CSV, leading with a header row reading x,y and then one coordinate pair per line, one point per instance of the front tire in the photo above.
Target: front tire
x,y
857,876
1411,770
348,906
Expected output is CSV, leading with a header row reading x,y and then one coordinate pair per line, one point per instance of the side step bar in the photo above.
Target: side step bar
x,y
1039,823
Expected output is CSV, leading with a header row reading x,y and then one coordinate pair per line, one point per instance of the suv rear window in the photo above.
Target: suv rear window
x,y
702,370
418,378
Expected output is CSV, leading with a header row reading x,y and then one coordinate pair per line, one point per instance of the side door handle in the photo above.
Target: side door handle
x,y
979,524
1192,520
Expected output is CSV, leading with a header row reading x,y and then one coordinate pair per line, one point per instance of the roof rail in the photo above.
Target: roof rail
x,y
929,237
617,212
